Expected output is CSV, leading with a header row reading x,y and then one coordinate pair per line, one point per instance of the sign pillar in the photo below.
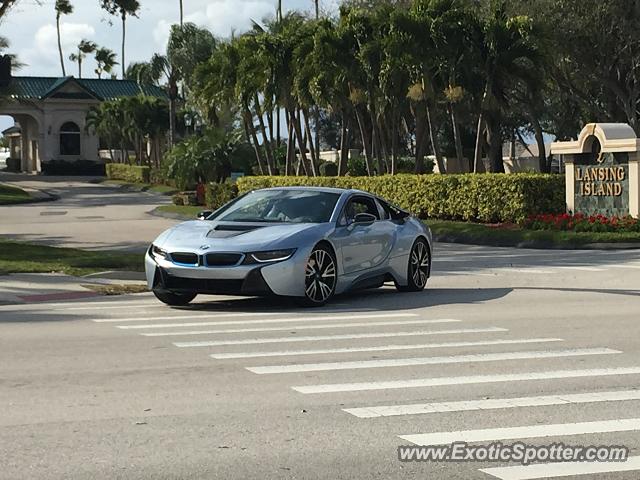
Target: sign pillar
x,y
602,170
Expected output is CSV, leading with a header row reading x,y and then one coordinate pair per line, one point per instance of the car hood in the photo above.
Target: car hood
x,y
198,235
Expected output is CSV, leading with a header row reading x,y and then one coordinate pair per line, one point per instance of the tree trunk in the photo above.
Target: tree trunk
x,y
434,141
545,167
124,37
291,148
301,141
312,149
79,66
394,141
265,138
344,145
494,140
366,140
420,138
181,14
64,73
477,156
456,135
252,138
278,142
172,121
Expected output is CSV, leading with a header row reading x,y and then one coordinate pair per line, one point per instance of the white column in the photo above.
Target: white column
x,y
570,183
634,185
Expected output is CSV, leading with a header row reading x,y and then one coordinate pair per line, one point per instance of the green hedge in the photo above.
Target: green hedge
x,y
218,194
481,197
128,173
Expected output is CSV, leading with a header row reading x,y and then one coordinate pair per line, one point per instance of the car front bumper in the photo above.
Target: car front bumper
x,y
284,278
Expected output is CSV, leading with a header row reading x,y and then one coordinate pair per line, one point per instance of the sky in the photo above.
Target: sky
x,y
31,29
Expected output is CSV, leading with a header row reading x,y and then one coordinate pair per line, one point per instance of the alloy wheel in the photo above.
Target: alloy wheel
x,y
420,264
320,276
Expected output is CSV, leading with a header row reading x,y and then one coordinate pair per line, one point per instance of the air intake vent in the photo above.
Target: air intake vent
x,y
185,258
222,259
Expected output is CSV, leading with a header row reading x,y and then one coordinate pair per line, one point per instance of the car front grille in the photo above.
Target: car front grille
x,y
222,259
185,258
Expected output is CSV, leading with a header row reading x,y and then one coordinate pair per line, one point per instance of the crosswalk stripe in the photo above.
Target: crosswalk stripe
x,y
203,315
561,469
465,380
383,348
527,431
625,266
404,362
305,318
529,270
298,327
73,304
582,269
255,341
492,404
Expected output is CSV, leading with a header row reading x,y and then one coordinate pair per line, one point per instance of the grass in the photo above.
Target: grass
x,y
143,187
19,257
13,195
117,289
475,233
188,212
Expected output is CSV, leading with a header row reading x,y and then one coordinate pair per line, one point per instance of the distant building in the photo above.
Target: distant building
x,y
50,116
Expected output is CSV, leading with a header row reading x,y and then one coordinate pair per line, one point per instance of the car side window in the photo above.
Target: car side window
x,y
358,205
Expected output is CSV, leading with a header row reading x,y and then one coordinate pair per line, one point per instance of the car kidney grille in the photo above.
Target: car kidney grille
x,y
222,259
185,258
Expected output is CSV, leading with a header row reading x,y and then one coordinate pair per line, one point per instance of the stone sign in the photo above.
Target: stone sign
x,y
602,170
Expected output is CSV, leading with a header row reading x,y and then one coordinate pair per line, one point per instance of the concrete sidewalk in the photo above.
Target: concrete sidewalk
x,y
47,287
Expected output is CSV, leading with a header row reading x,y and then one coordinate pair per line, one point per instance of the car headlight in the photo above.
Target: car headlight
x,y
270,256
158,252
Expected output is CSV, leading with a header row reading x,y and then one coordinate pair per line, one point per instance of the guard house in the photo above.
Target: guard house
x,y
51,115
602,170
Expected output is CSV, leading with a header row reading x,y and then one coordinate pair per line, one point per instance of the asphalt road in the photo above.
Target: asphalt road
x,y
87,215
127,388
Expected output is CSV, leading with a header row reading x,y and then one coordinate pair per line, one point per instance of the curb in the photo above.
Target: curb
x,y
532,244
132,187
40,195
156,212
117,275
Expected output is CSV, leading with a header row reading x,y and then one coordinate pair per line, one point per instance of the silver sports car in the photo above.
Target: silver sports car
x,y
309,243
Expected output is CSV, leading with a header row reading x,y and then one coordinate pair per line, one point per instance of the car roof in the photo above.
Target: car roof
x,y
320,189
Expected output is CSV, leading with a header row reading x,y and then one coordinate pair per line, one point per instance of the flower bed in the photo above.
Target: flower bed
x,y
582,223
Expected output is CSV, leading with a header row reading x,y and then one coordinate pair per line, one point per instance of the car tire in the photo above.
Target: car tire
x,y
174,299
321,277
419,267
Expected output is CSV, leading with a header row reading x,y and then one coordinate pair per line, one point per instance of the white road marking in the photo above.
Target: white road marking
x,y
136,306
473,274
71,303
582,269
384,348
277,320
529,270
404,362
561,469
527,431
492,404
625,266
255,341
203,315
298,327
465,380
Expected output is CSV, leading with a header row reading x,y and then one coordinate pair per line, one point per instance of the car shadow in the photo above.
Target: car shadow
x,y
384,299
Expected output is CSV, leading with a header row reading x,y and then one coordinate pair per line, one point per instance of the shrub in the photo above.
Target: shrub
x,y
356,166
217,194
185,198
480,197
582,223
329,169
128,173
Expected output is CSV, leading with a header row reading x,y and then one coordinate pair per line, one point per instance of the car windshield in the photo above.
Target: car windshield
x,y
277,206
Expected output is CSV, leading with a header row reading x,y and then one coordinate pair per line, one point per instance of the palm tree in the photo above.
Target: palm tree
x,y
106,60
506,52
63,7
85,47
161,66
123,8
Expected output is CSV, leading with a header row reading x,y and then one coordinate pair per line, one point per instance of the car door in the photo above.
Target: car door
x,y
365,246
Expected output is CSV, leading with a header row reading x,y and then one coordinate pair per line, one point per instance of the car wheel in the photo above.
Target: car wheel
x,y
174,299
320,276
419,267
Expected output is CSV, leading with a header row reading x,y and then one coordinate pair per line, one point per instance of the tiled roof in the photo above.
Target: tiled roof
x,y
38,88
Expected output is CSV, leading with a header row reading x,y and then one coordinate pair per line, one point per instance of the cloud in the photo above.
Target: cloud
x,y
43,53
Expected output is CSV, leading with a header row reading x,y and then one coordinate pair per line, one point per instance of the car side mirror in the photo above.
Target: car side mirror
x,y
364,219
204,214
